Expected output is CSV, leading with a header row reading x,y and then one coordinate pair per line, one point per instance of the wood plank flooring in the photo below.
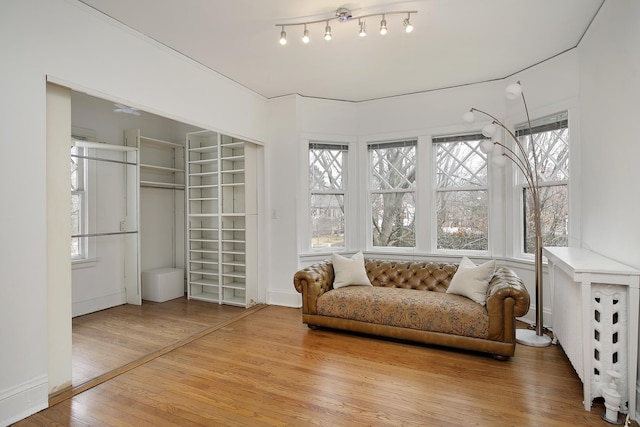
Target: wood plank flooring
x,y
268,369
107,339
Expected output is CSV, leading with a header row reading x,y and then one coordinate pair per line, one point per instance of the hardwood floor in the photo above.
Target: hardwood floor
x,y
267,368
108,339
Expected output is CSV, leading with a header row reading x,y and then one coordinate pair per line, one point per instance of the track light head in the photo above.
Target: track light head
x,y
407,24
283,37
363,29
305,37
327,32
383,26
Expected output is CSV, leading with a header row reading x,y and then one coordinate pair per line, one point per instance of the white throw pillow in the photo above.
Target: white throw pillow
x,y
472,281
349,271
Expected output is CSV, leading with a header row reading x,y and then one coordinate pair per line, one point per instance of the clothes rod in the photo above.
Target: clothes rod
x,y
115,233
103,160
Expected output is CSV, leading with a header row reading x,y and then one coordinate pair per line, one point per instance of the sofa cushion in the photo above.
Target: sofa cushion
x,y
407,308
349,271
471,281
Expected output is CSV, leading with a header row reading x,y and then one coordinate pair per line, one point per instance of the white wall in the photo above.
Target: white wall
x,y
294,120
609,92
58,235
72,45
610,95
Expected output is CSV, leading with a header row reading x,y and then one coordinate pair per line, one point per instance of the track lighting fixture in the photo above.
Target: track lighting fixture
x,y
344,15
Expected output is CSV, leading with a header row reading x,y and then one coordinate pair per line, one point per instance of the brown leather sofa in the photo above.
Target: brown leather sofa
x,y
408,301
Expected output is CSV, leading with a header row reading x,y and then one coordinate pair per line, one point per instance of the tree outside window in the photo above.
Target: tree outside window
x,y
393,193
461,193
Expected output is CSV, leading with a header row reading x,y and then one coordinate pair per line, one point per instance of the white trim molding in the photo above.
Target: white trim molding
x,y
23,400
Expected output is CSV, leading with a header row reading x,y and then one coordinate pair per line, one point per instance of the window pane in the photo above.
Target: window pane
x,y
393,168
552,154
326,169
393,219
554,208
75,171
460,164
462,220
76,203
327,221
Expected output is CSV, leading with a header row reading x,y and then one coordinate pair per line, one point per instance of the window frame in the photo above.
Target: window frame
x,y
344,147
405,141
89,217
541,121
81,191
459,137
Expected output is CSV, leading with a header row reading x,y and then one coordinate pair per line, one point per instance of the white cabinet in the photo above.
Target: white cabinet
x,y
596,313
221,219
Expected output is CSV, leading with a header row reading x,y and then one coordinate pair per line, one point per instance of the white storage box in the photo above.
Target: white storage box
x,y
162,284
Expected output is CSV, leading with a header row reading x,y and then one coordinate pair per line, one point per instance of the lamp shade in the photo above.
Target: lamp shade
x,y
513,91
469,117
486,146
489,130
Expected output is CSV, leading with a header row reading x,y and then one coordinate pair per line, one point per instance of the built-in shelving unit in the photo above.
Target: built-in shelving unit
x,y
162,184
161,162
221,219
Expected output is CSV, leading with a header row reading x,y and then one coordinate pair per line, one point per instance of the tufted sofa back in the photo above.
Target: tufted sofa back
x,y
432,276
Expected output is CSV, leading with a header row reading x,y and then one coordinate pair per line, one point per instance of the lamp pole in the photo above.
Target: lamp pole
x,y
520,157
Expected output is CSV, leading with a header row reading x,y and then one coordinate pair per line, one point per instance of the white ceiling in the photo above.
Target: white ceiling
x,y
455,42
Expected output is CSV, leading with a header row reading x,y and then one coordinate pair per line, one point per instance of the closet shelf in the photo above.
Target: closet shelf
x,y
159,142
161,169
102,146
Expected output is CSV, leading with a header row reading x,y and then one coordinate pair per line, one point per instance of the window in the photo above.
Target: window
x,y
461,193
78,203
327,170
393,193
551,142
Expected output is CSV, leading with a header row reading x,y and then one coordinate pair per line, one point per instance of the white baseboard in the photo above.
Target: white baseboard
x,y
286,299
98,303
23,400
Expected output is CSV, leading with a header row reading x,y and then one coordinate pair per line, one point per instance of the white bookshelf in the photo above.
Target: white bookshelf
x,y
221,223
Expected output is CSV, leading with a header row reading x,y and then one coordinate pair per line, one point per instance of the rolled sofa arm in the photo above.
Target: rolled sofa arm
x,y
505,286
312,282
